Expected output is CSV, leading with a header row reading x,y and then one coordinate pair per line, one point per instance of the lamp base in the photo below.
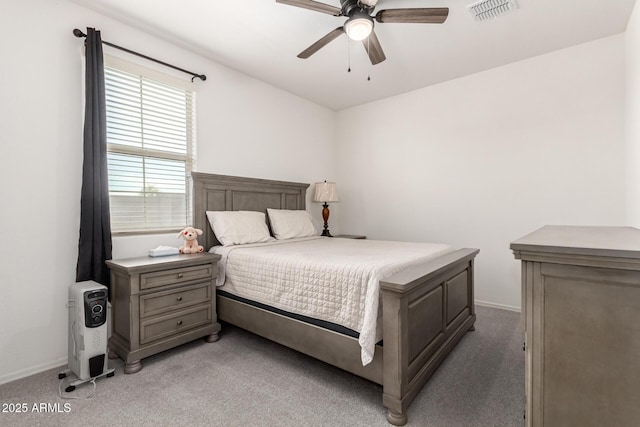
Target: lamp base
x,y
325,217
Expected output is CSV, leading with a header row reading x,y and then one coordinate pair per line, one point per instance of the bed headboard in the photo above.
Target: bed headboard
x,y
233,193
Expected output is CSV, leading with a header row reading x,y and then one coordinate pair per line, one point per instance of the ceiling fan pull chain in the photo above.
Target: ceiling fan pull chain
x,y
349,54
369,50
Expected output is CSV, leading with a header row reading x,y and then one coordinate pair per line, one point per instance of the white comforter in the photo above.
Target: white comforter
x,y
333,279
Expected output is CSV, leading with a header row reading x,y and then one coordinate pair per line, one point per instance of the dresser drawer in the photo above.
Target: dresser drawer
x,y
176,276
161,302
163,326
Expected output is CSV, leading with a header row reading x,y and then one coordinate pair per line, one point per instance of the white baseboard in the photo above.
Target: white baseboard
x,y
7,378
500,306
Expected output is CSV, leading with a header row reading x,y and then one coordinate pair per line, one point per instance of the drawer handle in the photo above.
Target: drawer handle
x,y
179,298
180,276
179,322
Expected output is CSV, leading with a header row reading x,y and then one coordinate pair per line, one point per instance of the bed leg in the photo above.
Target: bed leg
x,y
472,328
397,419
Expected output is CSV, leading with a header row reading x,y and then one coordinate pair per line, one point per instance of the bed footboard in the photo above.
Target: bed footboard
x,y
426,311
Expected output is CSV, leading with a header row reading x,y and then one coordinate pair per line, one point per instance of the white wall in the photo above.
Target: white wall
x,y
632,40
482,160
245,127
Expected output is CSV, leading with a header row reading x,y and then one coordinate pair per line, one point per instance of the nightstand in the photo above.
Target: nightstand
x,y
350,236
160,303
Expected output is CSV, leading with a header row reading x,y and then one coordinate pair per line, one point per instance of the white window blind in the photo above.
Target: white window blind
x,y
150,150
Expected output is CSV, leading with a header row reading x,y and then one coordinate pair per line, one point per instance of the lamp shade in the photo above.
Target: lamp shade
x,y
325,192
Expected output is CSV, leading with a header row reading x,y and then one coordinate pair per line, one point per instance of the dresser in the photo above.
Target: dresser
x,y
159,303
581,321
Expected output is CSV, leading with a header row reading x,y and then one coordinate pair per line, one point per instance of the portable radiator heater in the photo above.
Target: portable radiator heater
x,y
88,332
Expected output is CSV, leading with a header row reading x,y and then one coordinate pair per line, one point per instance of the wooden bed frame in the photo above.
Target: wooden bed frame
x,y
426,310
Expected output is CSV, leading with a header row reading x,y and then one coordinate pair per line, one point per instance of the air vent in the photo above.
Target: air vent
x,y
488,9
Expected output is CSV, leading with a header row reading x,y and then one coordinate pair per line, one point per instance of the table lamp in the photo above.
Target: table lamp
x,y
325,193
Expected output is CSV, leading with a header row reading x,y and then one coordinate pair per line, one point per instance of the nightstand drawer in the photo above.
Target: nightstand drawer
x,y
164,326
160,302
176,276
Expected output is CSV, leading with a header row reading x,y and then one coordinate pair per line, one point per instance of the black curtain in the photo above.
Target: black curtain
x,y
94,246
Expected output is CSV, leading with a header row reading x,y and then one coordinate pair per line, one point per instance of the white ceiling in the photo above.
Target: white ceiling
x,y
261,38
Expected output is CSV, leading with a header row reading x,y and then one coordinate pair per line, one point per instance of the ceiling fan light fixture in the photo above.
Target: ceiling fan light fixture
x,y
359,26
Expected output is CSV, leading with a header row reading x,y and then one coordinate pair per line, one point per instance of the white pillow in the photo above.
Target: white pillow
x,y
239,227
287,224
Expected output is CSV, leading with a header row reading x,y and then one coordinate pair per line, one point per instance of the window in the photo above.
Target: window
x,y
150,148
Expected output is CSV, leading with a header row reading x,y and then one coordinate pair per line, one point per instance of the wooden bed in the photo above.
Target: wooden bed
x,y
426,309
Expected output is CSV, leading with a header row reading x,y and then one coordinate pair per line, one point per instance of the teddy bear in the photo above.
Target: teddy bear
x,y
190,236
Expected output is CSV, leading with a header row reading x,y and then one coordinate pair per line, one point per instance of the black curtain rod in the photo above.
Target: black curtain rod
x,y
78,33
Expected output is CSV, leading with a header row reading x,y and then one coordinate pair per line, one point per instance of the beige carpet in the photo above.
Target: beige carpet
x,y
244,380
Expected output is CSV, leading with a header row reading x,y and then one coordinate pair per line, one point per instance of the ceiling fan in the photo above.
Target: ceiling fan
x,y
360,22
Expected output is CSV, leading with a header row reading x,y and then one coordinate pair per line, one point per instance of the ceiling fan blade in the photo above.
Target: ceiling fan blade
x,y
431,15
321,43
374,49
313,5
